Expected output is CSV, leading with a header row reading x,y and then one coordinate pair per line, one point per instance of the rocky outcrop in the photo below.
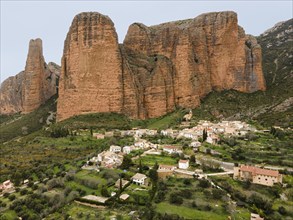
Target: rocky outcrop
x,y
26,91
208,52
158,68
11,94
91,75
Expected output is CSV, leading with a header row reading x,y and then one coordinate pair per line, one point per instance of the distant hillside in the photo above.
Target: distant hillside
x,y
277,49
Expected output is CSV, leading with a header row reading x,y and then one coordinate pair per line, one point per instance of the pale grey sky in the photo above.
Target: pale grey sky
x,y
50,21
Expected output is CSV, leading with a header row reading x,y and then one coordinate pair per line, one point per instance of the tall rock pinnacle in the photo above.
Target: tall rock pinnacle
x,y
32,87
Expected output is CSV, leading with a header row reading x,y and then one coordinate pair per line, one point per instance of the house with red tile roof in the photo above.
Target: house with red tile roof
x,y
183,164
257,175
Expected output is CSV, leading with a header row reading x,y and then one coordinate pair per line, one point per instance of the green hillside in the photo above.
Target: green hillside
x,y
20,125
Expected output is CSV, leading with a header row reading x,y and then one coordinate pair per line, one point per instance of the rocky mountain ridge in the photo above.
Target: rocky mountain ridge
x,y
157,69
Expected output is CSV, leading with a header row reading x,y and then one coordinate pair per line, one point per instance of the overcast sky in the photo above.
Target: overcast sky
x,y
50,21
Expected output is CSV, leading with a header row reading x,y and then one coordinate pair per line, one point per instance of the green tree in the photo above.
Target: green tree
x,y
126,163
153,174
91,130
104,191
204,135
140,170
16,177
11,197
192,159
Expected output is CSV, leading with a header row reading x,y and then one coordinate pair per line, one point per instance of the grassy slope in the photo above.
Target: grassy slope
x,y
241,106
188,213
105,121
10,128
277,69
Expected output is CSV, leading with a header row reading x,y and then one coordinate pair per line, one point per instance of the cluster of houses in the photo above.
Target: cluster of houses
x,y
257,175
235,128
113,157
136,133
229,128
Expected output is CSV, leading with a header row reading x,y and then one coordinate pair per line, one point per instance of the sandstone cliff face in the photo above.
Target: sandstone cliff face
x,y
26,91
208,52
157,68
91,75
11,94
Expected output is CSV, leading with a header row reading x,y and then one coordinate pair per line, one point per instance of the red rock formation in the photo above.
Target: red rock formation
x,y
34,86
157,68
208,52
91,75
11,94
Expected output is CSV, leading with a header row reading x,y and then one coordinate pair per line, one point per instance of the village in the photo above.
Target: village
x,y
136,162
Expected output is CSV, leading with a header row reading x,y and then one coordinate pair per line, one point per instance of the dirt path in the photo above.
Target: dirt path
x,y
90,205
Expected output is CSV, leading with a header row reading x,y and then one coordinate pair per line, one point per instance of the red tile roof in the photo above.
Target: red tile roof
x,y
171,147
259,171
167,167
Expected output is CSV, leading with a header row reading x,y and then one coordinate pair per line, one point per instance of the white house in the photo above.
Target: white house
x,y
188,133
151,132
128,149
254,216
183,164
195,144
115,149
109,159
141,144
6,185
94,160
172,149
212,139
139,179
140,132
169,133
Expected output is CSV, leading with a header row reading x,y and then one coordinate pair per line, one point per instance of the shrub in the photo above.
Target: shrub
x,y
203,183
282,210
23,192
11,197
175,199
186,193
104,191
55,182
187,181
217,193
